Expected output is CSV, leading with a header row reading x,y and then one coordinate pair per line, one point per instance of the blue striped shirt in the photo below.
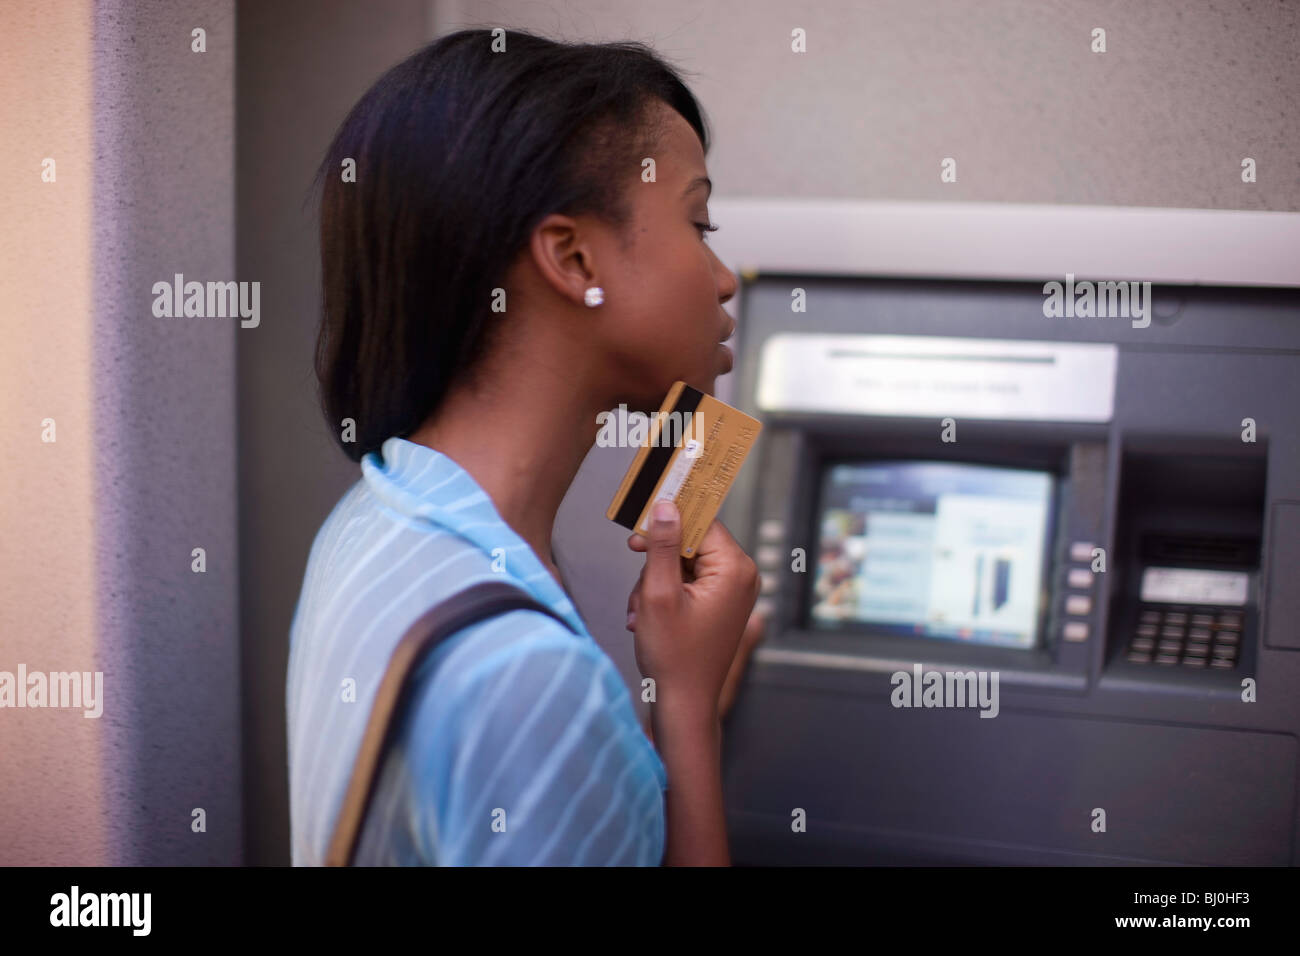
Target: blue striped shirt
x,y
519,744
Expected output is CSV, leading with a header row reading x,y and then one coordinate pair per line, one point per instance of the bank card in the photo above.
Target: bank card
x,y
694,448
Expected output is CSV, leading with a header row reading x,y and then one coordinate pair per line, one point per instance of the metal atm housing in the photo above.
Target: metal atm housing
x,y
1172,452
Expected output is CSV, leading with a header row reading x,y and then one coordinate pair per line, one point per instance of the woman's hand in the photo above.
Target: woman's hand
x,y
699,634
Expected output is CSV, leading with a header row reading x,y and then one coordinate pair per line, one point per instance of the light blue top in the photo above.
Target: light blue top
x,y
519,744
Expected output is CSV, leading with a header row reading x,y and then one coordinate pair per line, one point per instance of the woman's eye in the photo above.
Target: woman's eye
x,y
705,227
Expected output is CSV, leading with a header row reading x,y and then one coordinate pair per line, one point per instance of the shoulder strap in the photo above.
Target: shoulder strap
x,y
431,629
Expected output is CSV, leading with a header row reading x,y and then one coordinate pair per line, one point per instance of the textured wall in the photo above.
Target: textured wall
x,y
1007,87
165,430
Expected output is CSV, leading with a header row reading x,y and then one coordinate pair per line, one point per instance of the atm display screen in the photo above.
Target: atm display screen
x,y
932,549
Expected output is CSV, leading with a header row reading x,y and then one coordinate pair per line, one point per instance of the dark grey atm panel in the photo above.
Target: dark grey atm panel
x,y
1032,582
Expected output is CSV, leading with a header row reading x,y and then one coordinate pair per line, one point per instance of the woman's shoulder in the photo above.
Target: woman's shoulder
x,y
380,558
368,578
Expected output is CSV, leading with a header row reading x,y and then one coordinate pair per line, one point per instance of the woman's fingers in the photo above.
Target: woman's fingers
x,y
640,543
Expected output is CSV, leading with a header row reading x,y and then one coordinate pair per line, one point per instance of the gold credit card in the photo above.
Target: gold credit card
x,y
695,446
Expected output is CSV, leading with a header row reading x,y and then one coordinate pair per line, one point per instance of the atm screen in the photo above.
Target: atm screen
x,y
932,549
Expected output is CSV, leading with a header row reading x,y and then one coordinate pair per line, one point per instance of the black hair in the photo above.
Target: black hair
x,y
460,151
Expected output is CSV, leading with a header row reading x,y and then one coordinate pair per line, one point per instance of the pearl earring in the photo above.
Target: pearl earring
x,y
594,296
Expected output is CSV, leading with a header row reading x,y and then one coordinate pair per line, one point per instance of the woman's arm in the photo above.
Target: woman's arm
x,y
522,754
694,769
690,746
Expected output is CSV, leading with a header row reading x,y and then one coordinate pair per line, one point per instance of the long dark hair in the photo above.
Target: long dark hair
x,y
459,152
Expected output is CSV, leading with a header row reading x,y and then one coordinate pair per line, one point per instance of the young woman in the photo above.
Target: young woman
x,y
502,263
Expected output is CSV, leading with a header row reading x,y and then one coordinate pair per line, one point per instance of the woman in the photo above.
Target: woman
x,y
502,263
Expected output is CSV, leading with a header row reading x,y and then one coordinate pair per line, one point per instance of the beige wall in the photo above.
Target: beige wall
x,y
51,790
99,526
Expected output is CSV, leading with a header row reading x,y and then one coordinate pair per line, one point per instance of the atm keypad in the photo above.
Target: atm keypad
x,y
1186,637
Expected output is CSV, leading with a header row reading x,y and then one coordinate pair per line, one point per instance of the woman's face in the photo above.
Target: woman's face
x,y
662,319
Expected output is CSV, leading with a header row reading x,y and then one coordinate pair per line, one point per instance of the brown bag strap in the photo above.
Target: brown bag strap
x,y
431,629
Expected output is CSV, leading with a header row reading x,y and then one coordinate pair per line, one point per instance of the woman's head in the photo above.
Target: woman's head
x,y
519,170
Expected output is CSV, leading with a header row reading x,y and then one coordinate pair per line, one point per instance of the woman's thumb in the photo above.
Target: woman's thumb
x,y
663,566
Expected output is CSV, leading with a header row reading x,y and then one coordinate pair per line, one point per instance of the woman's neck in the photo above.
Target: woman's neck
x,y
522,441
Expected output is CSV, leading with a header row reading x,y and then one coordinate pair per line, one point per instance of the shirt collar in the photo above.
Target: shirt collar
x,y
424,483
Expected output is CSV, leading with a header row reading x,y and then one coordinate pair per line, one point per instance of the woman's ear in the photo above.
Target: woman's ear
x,y
564,258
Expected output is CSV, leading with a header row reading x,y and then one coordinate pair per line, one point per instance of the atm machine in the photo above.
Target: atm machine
x,y
1033,583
